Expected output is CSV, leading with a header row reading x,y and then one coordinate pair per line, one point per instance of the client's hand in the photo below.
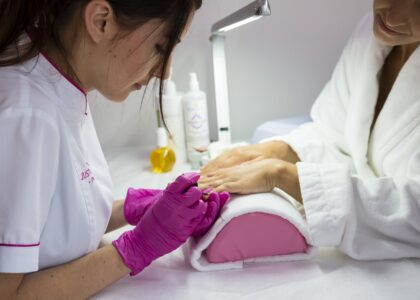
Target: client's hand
x,y
256,176
237,156
171,220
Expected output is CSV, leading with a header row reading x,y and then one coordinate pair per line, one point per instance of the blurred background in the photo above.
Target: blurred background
x,y
276,67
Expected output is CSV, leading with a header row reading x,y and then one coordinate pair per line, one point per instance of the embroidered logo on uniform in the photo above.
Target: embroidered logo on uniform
x,y
87,175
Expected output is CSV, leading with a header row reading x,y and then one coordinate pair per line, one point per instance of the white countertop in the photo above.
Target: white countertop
x,y
331,275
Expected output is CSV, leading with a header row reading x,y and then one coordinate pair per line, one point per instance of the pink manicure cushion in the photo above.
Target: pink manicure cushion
x,y
264,227
255,235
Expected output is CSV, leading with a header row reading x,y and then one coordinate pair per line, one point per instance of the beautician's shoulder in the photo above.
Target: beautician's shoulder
x,y
20,91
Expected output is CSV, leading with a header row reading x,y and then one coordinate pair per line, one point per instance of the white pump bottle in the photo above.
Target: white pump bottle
x,y
196,121
172,110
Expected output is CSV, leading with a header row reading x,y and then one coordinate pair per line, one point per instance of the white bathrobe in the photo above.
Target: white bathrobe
x,y
361,190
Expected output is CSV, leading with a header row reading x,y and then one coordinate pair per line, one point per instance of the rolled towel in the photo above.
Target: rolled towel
x,y
264,227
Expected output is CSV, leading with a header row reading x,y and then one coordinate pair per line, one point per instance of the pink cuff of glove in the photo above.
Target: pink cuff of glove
x,y
135,264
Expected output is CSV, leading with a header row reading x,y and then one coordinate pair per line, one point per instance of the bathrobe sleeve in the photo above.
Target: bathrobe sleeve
x,y
377,218
29,150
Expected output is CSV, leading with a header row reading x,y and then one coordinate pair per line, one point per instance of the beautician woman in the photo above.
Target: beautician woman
x,y
55,188
356,167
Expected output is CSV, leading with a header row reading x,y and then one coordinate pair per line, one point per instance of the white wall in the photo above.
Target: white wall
x,y
276,66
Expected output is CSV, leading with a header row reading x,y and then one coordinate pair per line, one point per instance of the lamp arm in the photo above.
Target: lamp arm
x,y
258,8
221,88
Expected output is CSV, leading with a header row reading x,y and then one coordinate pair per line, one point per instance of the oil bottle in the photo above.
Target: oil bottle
x,y
163,157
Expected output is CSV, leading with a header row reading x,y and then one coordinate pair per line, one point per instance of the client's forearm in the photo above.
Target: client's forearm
x,y
285,177
280,150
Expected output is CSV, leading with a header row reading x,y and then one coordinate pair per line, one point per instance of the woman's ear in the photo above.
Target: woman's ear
x,y
99,21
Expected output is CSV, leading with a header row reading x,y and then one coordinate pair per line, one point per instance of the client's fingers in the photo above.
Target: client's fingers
x,y
230,187
210,184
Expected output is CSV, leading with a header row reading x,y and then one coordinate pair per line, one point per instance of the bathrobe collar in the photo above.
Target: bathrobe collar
x,y
364,99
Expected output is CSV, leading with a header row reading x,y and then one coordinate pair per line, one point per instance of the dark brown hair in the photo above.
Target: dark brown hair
x,y
45,18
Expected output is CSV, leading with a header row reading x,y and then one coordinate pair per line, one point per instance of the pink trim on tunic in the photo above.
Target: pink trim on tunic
x,y
19,245
71,81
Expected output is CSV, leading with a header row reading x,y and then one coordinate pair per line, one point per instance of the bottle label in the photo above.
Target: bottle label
x,y
196,121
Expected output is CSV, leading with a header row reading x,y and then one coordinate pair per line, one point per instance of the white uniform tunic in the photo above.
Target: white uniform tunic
x,y
361,189
55,186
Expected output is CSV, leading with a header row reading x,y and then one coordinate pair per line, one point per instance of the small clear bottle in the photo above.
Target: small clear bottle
x,y
163,157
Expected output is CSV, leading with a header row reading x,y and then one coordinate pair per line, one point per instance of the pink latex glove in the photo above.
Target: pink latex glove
x,y
138,201
215,202
165,226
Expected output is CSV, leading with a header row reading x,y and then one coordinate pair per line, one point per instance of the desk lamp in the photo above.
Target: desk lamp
x,y
253,11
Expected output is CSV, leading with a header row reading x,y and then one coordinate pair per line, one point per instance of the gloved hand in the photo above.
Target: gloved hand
x,y
137,202
215,202
165,226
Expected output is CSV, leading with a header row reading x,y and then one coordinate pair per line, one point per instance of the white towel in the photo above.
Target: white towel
x,y
274,203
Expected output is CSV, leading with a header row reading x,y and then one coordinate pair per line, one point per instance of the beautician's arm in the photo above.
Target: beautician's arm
x,y
79,279
117,219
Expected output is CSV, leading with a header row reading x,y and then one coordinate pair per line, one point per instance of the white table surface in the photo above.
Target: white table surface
x,y
331,275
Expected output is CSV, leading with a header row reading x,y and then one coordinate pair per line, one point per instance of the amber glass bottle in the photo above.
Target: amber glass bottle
x,y
163,157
